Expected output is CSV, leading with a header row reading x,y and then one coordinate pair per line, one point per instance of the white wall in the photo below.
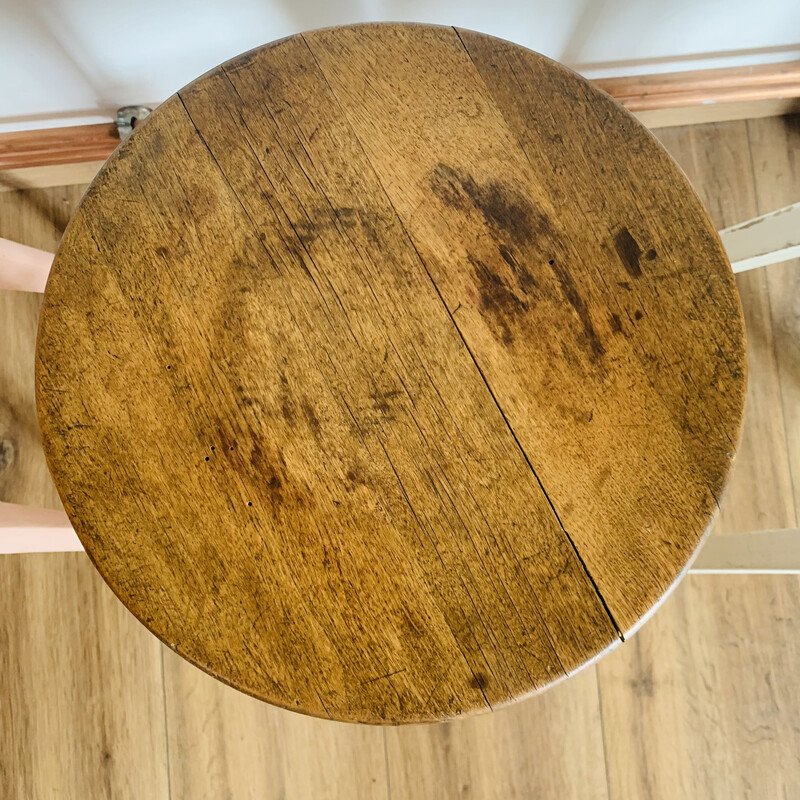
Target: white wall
x,y
75,61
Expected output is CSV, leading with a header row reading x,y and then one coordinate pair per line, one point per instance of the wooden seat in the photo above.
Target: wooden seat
x,y
390,372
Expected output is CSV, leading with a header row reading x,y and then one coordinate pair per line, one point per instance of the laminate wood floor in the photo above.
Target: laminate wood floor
x,y
704,702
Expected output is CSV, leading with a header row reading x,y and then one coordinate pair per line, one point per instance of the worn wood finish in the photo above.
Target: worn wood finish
x,y
24,477
463,759
715,157
390,373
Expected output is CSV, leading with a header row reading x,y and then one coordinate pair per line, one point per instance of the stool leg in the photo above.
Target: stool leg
x,y
24,529
23,268
763,240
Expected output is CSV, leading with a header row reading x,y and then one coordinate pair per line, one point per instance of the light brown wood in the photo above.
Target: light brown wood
x,y
46,176
81,709
719,169
717,112
390,373
753,553
49,146
221,741
82,712
548,746
704,702
705,86
230,745
24,477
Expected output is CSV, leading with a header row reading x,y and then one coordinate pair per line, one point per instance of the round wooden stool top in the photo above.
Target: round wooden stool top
x,y
390,372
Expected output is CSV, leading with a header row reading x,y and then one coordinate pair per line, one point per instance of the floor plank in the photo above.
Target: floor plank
x,y
550,746
81,699
775,151
716,158
225,744
703,702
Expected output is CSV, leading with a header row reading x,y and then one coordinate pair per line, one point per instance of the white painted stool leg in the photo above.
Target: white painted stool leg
x,y
23,268
757,553
763,240
35,530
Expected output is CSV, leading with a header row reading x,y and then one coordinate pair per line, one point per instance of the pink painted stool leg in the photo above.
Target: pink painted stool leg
x,y
23,268
24,529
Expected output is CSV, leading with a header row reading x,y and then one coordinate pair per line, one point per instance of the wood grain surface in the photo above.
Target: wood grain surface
x,y
762,472
711,723
390,372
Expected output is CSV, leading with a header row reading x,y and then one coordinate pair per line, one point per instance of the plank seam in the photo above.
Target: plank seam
x,y
474,361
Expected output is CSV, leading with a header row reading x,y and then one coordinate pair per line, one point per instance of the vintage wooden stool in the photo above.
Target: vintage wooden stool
x,y
390,372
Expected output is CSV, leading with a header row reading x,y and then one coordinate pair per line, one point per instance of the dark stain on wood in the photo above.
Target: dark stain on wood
x,y
497,300
480,681
311,417
629,252
503,207
381,402
323,218
263,467
526,281
578,303
287,404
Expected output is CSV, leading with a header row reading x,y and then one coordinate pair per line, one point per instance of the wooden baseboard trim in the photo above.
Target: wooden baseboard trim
x,y
51,146
717,112
676,98
707,86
